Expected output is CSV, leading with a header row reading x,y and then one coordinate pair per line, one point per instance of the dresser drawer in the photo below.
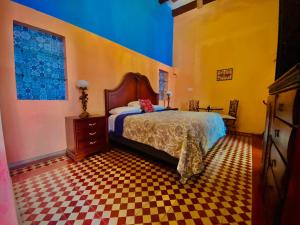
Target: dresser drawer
x,y
281,133
90,124
271,197
285,106
279,168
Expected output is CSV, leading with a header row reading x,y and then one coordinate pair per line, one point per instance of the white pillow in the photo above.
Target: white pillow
x,y
158,107
125,109
134,104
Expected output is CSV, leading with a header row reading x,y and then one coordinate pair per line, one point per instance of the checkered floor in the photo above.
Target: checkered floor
x,y
26,169
123,188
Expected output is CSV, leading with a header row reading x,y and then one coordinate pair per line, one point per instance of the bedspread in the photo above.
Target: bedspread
x,y
184,135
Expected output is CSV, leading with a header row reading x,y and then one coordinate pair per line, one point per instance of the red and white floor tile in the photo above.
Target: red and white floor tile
x,y
121,188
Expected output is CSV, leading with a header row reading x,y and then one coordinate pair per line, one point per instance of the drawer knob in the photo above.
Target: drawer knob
x,y
92,124
92,142
92,133
277,132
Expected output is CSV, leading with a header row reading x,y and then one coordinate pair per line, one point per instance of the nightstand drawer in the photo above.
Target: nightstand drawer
x,y
84,135
93,142
90,124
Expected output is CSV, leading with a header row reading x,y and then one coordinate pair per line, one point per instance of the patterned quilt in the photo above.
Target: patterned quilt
x,y
186,136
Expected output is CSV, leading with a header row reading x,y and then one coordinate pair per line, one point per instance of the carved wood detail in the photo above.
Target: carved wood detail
x,y
134,86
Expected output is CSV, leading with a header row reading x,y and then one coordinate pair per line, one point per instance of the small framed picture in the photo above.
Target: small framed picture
x,y
224,74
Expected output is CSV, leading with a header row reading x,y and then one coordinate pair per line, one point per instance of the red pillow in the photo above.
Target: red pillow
x,y
146,105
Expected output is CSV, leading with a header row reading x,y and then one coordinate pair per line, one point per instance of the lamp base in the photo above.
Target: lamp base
x,y
84,114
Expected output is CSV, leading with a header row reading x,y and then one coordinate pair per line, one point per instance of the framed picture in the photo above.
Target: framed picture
x,y
224,74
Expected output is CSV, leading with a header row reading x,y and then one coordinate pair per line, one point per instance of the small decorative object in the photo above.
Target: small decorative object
x,y
224,74
82,85
169,94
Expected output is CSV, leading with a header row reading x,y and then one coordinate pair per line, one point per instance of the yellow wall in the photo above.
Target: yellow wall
x,y
228,33
35,128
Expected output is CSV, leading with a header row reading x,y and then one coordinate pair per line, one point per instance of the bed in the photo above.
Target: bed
x,y
181,138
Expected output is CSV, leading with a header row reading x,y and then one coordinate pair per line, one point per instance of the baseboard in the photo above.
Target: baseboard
x,y
248,134
37,159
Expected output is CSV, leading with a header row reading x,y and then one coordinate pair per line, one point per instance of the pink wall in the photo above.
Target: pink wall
x,y
7,204
35,128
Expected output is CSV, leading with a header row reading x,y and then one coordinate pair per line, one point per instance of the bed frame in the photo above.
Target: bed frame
x,y
134,87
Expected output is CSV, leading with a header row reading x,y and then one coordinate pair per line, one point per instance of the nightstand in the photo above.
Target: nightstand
x,y
86,136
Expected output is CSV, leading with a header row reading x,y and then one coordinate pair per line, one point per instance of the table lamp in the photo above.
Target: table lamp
x,y
169,94
82,85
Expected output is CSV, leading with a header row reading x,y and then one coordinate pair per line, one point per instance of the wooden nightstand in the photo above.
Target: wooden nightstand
x,y
86,136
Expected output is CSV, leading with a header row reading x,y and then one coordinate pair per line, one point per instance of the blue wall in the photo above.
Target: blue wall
x,y
144,26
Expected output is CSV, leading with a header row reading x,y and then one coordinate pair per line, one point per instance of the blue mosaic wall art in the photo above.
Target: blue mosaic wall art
x,y
39,64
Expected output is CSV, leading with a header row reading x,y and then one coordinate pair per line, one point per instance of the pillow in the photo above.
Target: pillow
x,y
134,104
146,105
124,109
158,107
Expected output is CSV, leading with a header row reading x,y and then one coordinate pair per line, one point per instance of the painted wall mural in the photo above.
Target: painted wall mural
x,y
144,26
39,64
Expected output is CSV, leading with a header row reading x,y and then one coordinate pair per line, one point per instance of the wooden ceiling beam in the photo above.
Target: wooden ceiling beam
x,y
185,8
207,1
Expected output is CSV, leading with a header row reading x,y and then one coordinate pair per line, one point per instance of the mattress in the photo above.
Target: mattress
x,y
111,122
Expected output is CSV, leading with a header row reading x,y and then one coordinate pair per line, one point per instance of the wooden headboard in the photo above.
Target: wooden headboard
x,y
133,87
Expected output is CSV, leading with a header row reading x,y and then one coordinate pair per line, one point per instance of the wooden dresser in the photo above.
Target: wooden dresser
x,y
86,136
281,157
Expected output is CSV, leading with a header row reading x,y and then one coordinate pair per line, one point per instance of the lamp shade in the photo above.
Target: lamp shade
x,y
169,93
82,83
